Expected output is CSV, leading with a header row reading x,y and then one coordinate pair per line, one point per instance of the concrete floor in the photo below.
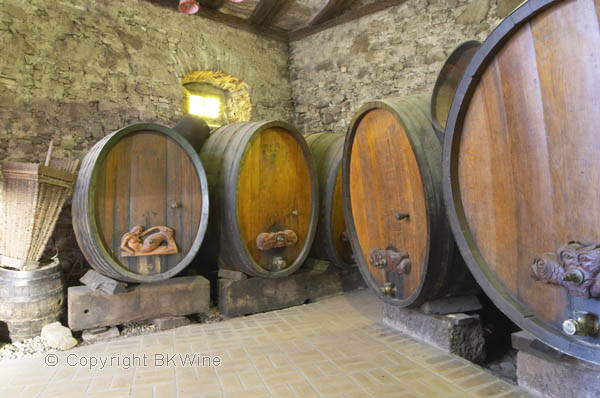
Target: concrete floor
x,y
332,348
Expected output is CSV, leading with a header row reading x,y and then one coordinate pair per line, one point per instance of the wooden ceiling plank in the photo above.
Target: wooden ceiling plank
x,y
265,11
229,20
214,4
345,17
333,8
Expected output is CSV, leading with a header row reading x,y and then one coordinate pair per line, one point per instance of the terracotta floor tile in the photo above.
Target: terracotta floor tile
x,y
334,348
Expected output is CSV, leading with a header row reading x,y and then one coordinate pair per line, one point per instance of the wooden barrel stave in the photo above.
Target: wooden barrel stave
x,y
447,81
404,177
517,173
118,188
29,300
224,156
327,150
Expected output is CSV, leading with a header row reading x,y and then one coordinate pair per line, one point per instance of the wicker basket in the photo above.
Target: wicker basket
x,y
32,198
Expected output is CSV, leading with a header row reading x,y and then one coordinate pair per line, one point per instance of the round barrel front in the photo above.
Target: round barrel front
x,y
331,242
447,81
393,203
521,171
264,189
29,300
140,207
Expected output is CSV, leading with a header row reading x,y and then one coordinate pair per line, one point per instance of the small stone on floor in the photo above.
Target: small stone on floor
x,y
98,334
170,322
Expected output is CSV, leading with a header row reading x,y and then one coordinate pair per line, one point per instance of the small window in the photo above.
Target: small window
x,y
202,106
206,101
217,97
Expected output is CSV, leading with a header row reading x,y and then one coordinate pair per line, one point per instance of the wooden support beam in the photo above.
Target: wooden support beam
x,y
333,8
177,296
214,4
345,17
252,295
229,20
266,11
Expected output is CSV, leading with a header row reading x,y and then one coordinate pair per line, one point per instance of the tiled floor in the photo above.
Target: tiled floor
x,y
333,348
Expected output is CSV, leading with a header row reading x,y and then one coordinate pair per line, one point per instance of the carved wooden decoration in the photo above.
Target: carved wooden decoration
x,y
160,242
575,266
273,240
390,260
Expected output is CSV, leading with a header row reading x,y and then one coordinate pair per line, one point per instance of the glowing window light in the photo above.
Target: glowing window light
x,y
204,106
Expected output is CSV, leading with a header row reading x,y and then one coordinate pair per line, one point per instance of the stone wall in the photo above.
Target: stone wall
x,y
398,51
73,71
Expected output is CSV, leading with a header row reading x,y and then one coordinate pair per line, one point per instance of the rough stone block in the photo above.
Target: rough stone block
x,y
552,378
170,322
458,334
254,295
99,334
316,265
524,341
58,336
452,305
97,281
231,274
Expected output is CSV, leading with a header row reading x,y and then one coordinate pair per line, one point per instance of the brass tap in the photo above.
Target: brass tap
x,y
278,264
582,324
388,289
574,275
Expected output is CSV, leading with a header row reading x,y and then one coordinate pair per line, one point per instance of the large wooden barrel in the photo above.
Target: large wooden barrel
x,y
447,81
29,300
194,129
391,183
521,171
331,242
264,197
133,180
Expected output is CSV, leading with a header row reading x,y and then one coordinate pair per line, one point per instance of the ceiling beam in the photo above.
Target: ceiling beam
x,y
345,17
265,11
333,8
214,4
229,20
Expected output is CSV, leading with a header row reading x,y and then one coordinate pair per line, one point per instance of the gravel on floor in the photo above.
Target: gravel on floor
x,y
36,345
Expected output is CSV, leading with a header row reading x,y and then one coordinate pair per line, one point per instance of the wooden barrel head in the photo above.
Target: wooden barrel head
x,y
521,170
387,206
447,81
273,194
147,176
331,242
337,224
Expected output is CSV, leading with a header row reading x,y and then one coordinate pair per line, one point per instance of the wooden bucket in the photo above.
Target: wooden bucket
x,y
29,300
